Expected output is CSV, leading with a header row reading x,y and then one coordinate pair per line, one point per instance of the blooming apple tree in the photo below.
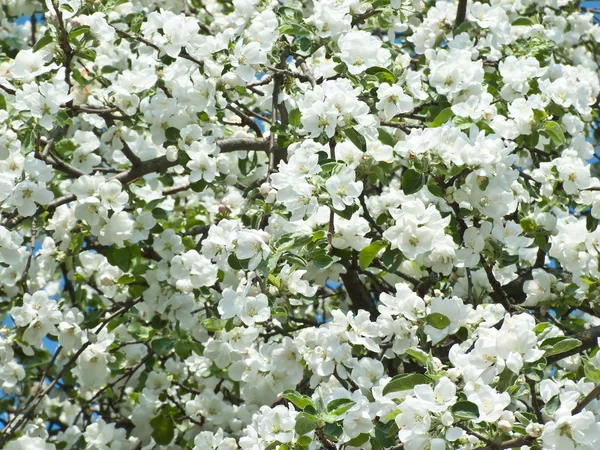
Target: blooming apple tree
x,y
327,224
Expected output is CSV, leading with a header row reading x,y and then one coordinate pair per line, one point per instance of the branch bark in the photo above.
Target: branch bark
x,y
461,13
588,338
587,400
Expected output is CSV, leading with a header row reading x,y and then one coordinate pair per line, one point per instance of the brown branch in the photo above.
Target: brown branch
x,y
309,75
245,120
65,47
356,290
183,54
588,338
364,16
33,21
8,90
461,13
29,256
327,444
534,401
587,400
158,164
237,144
176,190
367,215
511,443
129,154
266,79
498,293
57,162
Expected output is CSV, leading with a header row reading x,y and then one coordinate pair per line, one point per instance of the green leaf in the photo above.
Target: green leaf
x,y
294,29
27,141
87,54
279,311
214,324
162,346
434,187
126,279
304,441
463,28
77,31
539,115
341,68
405,382
438,320
122,257
506,379
555,131
358,440
563,345
412,181
347,212
183,349
382,74
465,410
368,254
234,262
198,186
172,134
65,146
419,355
2,102
333,431
136,23
109,69
444,116
340,406
303,46
381,434
294,117
527,224
552,405
591,372
299,400
522,22
356,138
43,41
305,423
321,259
540,327
290,241
386,138
163,430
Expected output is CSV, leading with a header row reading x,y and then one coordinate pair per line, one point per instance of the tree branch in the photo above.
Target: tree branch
x,y
587,400
588,338
461,13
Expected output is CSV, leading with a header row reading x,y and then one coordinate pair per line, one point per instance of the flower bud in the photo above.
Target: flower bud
x,y
534,429
447,419
172,152
504,425
265,188
454,374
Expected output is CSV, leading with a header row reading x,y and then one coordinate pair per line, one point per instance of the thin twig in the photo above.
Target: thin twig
x,y
534,401
586,400
29,256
